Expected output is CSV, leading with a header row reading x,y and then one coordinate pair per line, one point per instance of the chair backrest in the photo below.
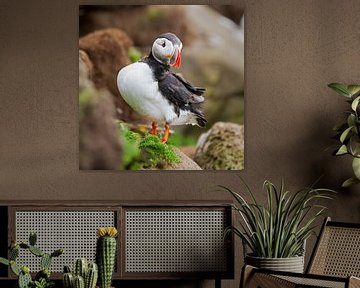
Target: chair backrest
x,y
337,251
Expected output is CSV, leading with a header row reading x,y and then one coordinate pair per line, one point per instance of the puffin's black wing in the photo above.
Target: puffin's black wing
x,y
183,96
196,90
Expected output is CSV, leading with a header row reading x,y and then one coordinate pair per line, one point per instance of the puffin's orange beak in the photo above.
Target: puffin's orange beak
x,y
177,63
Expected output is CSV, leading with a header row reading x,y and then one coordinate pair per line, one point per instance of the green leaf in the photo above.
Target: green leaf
x,y
340,88
353,89
342,150
351,120
356,167
345,134
4,261
14,268
355,103
349,182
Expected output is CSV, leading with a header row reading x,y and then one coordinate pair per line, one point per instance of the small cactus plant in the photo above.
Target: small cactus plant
x,y
85,275
106,254
42,278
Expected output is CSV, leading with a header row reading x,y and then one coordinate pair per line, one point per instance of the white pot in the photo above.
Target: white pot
x,y
291,264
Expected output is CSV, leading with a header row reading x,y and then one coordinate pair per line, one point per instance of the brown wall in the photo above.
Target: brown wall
x,y
293,49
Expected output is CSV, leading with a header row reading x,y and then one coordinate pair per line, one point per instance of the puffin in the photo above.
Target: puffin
x,y
152,90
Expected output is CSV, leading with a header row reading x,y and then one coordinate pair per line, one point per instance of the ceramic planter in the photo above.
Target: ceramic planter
x,y
291,264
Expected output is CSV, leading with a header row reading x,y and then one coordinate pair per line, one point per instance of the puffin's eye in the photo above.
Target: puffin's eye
x,y
163,44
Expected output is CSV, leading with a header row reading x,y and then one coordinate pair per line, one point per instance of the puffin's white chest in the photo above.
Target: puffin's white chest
x,y
140,90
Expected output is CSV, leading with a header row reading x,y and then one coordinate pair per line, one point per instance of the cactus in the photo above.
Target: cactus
x,y
45,261
13,253
105,254
91,276
36,251
44,273
68,280
80,268
79,282
32,238
24,278
90,272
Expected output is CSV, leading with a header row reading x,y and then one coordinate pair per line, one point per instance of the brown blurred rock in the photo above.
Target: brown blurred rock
x,y
99,139
215,60
108,52
142,23
221,148
85,70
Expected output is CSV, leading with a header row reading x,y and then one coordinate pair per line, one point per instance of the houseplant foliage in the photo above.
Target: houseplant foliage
x,y
279,229
42,278
348,132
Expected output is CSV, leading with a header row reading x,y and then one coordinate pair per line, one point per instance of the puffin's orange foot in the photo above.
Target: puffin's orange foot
x,y
166,133
154,129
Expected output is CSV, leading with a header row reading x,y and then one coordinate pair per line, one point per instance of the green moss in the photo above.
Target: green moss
x,y
145,151
134,54
156,152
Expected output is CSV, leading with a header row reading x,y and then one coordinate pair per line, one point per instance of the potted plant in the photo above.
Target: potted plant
x,y
348,133
42,278
276,233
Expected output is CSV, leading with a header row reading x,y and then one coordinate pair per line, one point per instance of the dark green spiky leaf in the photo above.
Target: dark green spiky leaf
x,y
32,238
4,261
349,182
340,88
342,150
280,228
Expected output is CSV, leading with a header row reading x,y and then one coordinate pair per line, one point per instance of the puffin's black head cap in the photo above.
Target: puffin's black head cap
x,y
172,38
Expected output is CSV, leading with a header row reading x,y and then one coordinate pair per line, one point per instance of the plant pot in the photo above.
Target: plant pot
x,y
291,264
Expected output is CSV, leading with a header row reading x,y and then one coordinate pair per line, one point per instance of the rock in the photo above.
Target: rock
x,y
99,139
85,70
108,52
221,148
185,164
215,60
141,23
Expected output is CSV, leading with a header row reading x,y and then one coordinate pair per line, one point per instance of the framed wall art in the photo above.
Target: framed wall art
x,y
161,87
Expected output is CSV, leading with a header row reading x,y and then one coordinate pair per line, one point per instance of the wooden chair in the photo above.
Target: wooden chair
x,y
335,262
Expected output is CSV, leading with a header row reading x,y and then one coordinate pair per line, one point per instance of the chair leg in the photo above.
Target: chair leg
x,y
217,283
246,273
354,282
